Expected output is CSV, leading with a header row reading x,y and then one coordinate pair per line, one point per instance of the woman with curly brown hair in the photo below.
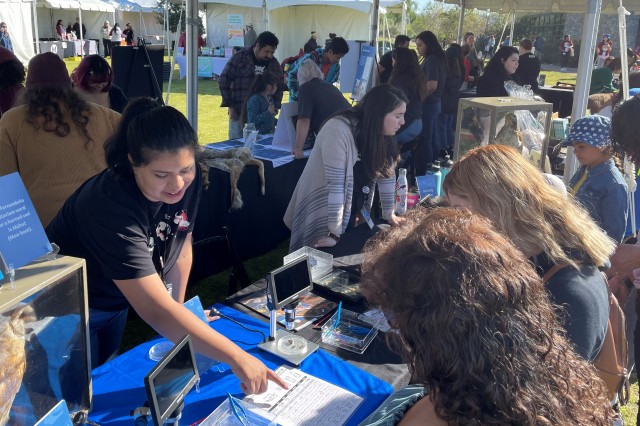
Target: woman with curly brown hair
x,y
498,183
55,139
477,330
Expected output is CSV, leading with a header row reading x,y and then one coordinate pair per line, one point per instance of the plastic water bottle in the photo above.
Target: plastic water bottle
x,y
246,131
438,175
401,192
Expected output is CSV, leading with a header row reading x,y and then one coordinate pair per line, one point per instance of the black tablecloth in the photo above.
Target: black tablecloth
x,y
378,359
562,99
256,228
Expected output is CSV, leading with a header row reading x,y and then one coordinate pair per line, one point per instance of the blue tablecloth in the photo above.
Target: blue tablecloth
x,y
118,386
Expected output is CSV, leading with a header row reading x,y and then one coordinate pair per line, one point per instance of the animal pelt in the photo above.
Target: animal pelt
x,y
232,161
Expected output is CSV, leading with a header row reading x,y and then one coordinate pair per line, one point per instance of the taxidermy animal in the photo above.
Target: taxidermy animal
x,y
12,361
232,161
508,134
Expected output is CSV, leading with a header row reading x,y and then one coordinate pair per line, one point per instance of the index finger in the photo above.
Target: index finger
x,y
271,375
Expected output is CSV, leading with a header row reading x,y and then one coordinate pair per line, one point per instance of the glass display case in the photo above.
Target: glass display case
x,y
521,123
44,341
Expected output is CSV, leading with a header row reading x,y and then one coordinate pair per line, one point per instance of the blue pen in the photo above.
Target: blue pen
x,y
238,411
338,314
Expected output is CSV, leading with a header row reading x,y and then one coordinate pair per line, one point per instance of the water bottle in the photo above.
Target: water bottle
x,y
438,175
401,192
246,131
445,166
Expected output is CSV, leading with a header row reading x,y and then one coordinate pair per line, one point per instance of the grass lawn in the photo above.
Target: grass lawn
x,y
212,127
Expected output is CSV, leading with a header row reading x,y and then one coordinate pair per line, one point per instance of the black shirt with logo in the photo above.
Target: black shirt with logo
x,y
121,234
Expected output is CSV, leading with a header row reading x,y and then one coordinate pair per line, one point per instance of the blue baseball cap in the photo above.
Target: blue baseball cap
x,y
607,35
593,130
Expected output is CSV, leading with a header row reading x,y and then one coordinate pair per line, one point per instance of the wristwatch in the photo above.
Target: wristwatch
x,y
334,237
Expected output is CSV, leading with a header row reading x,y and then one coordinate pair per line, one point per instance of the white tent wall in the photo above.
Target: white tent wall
x,y
345,22
19,18
142,23
93,21
217,21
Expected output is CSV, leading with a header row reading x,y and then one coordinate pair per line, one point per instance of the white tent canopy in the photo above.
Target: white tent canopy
x,y
539,6
94,13
18,14
293,20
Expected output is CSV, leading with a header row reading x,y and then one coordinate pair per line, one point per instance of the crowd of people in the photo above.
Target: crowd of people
x,y
495,292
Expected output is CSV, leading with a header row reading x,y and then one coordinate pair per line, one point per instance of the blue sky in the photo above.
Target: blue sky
x,y
421,3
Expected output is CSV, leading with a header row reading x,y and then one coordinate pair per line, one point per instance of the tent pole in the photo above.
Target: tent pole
x,y
585,66
461,21
192,62
403,25
265,15
375,22
629,168
35,26
513,23
81,35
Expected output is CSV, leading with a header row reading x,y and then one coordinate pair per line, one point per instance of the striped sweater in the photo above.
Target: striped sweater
x,y
321,202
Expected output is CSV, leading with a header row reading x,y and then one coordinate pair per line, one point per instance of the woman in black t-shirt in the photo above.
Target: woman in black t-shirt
x,y
434,70
132,223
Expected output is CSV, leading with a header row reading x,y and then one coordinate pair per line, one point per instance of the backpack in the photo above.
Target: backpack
x,y
611,361
288,62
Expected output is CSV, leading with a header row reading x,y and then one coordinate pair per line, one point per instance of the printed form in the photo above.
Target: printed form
x,y
308,401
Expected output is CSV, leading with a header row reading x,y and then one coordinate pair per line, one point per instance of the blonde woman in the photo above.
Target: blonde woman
x,y
499,183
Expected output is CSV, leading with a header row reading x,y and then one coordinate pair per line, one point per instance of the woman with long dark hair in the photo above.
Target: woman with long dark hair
x,y
476,328
500,69
355,150
433,66
54,138
407,76
93,80
132,223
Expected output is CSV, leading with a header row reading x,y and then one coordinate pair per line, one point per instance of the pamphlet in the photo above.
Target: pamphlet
x,y
309,401
310,308
22,237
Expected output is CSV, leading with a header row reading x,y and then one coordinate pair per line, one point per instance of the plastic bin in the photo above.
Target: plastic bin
x,y
223,416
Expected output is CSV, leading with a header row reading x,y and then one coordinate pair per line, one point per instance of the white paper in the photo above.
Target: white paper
x,y
309,401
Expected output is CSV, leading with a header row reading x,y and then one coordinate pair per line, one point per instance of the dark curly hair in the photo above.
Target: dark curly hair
x,y
625,138
476,326
50,108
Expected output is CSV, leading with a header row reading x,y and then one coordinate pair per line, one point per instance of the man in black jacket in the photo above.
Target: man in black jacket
x,y
312,44
529,65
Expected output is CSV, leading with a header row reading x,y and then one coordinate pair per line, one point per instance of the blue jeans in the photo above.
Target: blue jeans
x,y
410,132
106,330
446,123
429,146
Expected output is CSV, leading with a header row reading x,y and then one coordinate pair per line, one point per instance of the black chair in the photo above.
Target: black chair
x,y
215,254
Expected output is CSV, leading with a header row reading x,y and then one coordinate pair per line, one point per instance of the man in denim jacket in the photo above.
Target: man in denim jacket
x,y
598,184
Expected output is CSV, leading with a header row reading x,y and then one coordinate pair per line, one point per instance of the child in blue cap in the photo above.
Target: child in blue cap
x,y
598,185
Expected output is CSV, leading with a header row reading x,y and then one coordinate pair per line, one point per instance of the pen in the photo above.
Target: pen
x,y
338,314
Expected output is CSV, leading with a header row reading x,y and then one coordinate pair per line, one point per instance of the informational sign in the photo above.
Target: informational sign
x,y
364,72
22,237
235,24
285,134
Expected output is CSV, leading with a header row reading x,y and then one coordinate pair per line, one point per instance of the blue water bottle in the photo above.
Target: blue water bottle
x,y
445,166
438,175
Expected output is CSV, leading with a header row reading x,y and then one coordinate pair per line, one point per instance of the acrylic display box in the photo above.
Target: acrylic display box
x,y
521,123
44,341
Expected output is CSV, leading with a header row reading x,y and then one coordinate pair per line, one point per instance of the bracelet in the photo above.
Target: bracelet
x,y
334,237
